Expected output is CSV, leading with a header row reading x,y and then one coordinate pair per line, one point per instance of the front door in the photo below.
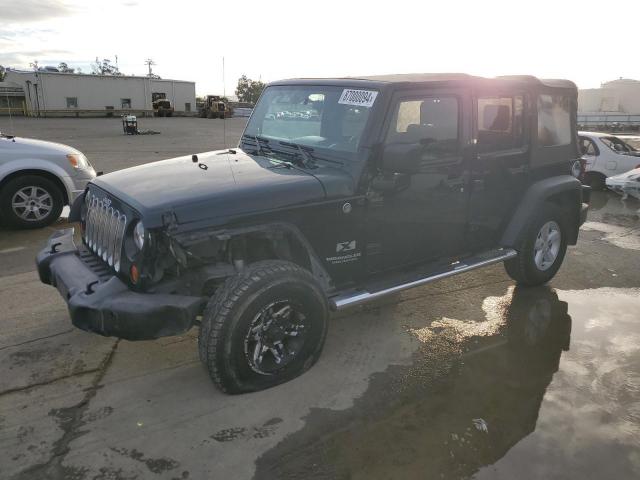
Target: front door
x,y
419,212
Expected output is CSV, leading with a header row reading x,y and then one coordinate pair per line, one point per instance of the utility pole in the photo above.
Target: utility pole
x,y
149,63
34,65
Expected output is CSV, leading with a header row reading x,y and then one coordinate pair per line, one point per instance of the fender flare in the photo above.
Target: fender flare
x,y
317,268
75,213
538,193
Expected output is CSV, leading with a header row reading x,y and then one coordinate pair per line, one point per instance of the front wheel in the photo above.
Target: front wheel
x,y
541,249
31,201
263,327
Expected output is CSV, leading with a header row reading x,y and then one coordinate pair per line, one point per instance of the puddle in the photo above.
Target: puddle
x,y
623,237
552,378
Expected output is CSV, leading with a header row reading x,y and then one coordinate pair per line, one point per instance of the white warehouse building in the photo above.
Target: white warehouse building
x,y
615,103
55,93
617,96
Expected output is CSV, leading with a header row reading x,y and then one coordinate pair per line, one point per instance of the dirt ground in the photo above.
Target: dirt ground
x,y
468,377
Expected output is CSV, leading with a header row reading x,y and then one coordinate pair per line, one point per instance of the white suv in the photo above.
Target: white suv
x,y
37,179
605,155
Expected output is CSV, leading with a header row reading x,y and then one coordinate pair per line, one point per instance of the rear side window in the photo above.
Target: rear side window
x,y
500,122
587,147
554,120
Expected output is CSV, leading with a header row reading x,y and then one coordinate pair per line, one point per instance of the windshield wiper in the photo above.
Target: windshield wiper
x,y
305,152
258,139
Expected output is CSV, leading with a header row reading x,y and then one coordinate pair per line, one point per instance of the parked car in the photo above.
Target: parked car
x,y
626,184
605,155
37,179
433,175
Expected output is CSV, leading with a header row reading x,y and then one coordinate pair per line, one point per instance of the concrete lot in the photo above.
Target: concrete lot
x,y
466,377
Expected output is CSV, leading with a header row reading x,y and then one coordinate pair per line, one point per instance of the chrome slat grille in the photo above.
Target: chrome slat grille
x,y
104,230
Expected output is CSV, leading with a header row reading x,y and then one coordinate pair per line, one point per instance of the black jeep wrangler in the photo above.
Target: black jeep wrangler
x,y
341,191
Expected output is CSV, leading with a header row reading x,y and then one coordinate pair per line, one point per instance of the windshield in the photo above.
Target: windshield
x,y
331,118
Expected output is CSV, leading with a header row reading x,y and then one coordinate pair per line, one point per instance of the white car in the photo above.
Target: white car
x,y
626,184
605,155
37,179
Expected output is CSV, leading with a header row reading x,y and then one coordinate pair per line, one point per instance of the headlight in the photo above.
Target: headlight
x,y
78,160
138,235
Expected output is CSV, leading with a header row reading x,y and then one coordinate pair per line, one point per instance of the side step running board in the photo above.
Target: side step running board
x,y
358,297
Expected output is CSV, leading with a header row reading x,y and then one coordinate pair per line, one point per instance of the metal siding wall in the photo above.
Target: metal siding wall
x,y
178,92
93,93
96,92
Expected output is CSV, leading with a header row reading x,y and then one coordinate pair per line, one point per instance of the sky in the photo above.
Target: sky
x,y
586,41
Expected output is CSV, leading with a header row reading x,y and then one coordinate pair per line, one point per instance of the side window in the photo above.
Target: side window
x,y
587,147
500,123
72,102
431,123
554,120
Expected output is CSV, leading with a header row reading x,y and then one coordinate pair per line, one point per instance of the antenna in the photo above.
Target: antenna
x,y
224,125
224,113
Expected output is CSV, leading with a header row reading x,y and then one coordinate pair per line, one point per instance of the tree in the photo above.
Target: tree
x,y
64,68
2,73
249,90
104,67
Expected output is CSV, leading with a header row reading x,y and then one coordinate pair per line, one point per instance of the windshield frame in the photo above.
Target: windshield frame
x,y
318,151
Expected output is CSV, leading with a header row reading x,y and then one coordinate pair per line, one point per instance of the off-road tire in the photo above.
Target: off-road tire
x,y
523,268
229,314
8,216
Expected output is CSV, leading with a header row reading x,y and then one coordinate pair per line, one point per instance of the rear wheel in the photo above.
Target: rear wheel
x,y
31,201
263,327
541,249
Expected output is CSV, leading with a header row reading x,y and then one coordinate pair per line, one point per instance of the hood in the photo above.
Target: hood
x,y
30,146
219,184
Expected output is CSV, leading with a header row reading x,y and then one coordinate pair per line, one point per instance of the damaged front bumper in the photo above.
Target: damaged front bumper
x,y
626,184
104,304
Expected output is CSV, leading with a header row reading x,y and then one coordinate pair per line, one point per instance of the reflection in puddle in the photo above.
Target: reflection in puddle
x,y
623,237
553,375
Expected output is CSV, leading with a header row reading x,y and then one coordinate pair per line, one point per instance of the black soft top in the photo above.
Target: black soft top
x,y
432,79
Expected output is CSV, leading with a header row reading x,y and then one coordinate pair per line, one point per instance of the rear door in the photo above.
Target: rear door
x,y
500,164
620,157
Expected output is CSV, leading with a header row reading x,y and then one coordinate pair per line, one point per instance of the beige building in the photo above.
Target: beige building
x,y
620,96
54,93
